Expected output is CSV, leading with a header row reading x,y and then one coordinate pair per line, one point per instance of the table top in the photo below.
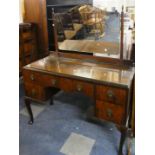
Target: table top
x,y
90,46
80,69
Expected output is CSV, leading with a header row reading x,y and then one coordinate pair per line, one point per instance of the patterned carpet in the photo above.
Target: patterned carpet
x,y
62,129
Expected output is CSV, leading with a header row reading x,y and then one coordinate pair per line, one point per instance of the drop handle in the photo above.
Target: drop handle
x,y
32,77
54,81
109,113
33,92
110,94
79,87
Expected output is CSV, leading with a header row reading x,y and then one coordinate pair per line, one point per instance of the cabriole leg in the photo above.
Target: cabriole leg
x,y
122,140
51,101
28,106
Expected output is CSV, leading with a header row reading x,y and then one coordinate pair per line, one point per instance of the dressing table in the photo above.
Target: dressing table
x,y
108,81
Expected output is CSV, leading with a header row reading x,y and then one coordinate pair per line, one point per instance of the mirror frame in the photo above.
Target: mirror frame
x,y
117,61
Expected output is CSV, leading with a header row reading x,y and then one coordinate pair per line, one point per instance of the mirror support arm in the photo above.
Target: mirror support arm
x,y
122,34
55,32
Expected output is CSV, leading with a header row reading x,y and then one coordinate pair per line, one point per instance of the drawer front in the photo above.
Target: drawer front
x,y
32,77
34,91
27,34
111,94
47,80
110,112
50,81
66,84
84,87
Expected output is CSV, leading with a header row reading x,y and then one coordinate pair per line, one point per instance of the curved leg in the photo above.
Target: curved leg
x,y
51,101
130,136
122,140
129,147
28,106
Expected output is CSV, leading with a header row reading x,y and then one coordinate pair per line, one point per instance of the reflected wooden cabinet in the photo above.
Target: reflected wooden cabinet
x,y
27,44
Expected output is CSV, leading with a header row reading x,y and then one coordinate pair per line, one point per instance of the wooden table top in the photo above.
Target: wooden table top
x,y
90,46
80,69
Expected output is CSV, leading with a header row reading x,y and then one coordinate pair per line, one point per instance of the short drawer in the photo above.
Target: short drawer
x,y
35,91
66,84
32,77
50,81
84,87
110,112
111,94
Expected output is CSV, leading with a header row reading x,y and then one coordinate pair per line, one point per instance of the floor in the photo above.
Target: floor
x,y
62,129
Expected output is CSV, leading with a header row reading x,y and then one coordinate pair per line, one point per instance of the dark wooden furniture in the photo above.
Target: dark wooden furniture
x,y
106,80
28,51
109,86
35,12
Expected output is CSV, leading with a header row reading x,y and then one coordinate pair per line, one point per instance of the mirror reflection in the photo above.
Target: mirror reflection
x,y
129,33
97,30
89,29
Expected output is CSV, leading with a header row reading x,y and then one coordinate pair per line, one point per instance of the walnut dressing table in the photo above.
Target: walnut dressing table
x,y
108,85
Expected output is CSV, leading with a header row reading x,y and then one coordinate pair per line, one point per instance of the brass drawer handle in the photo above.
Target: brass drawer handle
x,y
110,94
54,82
32,77
79,87
109,113
33,92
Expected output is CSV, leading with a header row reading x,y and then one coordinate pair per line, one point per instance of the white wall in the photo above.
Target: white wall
x,y
109,4
21,10
130,2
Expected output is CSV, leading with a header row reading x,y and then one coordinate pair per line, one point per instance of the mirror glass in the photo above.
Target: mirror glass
x,y
90,29
129,33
